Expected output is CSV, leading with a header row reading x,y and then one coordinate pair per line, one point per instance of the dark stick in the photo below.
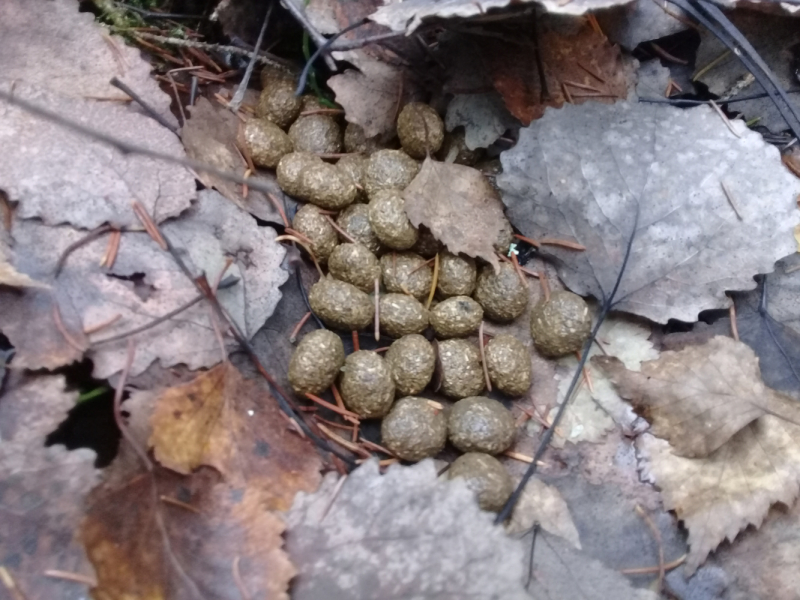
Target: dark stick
x,y
89,237
236,101
608,304
301,85
530,562
143,103
678,101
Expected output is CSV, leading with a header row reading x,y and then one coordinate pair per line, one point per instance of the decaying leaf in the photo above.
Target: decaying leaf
x,y
409,14
61,60
768,320
451,200
579,66
701,396
170,535
224,421
424,537
640,21
209,136
595,174
541,503
143,285
10,276
483,116
594,412
720,495
42,489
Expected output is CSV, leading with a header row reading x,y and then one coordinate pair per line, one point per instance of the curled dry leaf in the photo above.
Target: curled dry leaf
x,y
718,496
699,397
143,284
543,504
590,175
59,59
459,206
43,489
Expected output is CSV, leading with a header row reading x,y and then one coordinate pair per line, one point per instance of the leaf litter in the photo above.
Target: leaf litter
x,y
215,438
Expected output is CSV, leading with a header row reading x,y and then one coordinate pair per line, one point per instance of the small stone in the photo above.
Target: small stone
x,y
313,225
508,361
355,264
366,384
278,103
412,361
501,294
307,177
402,315
480,424
354,221
461,372
341,305
266,142
486,476
420,130
387,216
315,363
414,429
561,324
458,316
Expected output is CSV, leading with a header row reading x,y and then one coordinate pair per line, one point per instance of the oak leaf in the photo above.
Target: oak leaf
x,y
699,397
459,206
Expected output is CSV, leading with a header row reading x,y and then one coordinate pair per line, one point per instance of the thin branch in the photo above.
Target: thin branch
x,y
144,104
238,97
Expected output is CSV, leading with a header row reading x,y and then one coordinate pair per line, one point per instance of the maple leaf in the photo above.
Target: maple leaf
x,y
60,59
42,488
212,532
450,199
699,397
426,537
599,174
85,295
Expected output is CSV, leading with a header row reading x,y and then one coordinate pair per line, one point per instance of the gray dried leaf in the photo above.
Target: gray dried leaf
x,y
61,60
143,284
585,173
640,21
407,15
407,534
484,117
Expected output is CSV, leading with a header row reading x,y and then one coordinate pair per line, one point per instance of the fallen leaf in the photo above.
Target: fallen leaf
x,y
59,59
718,496
209,136
408,15
640,21
10,276
578,67
593,173
701,396
592,413
449,199
542,504
171,535
220,420
483,116
768,320
42,489
426,537
143,284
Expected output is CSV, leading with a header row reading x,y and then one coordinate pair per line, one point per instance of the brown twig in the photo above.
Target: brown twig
x,y
562,243
148,224
341,231
354,448
377,309
89,237
731,201
590,72
434,281
582,86
179,504
279,207
342,411
656,569
337,396
734,326
110,256
657,536
376,447
102,324
518,269
335,493
483,358
76,577
545,285
586,376
305,246
298,327
666,55
63,330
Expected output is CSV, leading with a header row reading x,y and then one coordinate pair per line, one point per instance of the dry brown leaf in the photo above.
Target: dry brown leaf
x,y
59,59
460,207
10,276
42,489
698,397
579,67
543,504
187,536
224,421
143,284
720,495
209,136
